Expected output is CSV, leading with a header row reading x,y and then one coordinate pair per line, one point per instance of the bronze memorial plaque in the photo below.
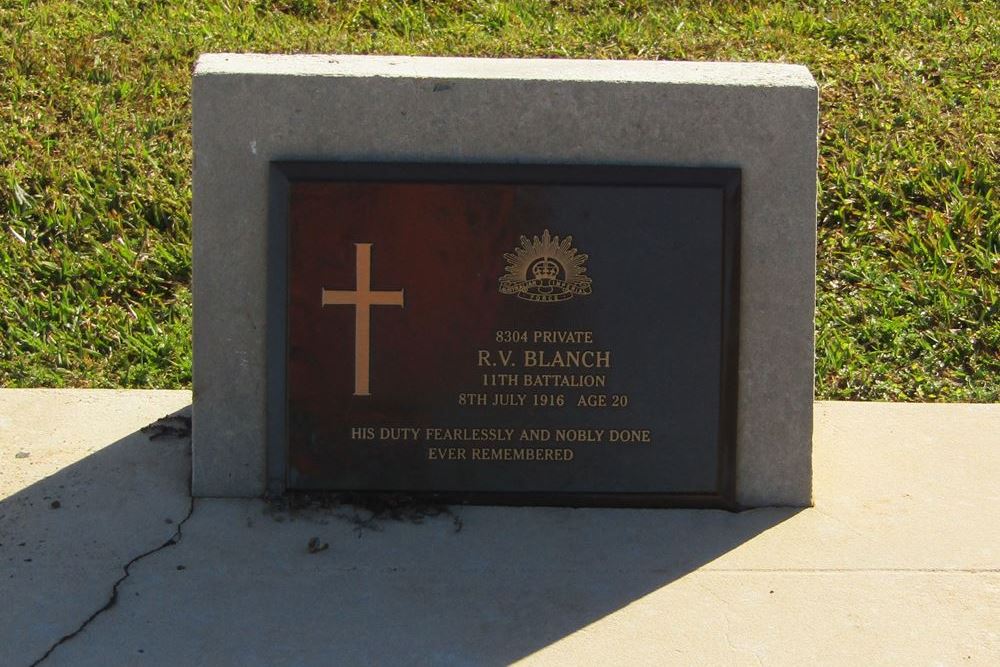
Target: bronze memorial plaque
x,y
517,334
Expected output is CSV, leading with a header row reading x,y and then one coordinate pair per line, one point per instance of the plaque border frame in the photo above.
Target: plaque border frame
x,y
282,173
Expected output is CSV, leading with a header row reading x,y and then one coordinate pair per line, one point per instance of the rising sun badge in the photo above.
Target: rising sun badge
x,y
545,269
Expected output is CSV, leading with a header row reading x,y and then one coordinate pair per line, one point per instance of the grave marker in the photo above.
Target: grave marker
x,y
559,282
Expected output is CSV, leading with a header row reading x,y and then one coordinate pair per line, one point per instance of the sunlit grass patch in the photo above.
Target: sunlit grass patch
x,y
95,161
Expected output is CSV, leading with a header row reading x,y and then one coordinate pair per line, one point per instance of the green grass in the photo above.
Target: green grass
x,y
95,158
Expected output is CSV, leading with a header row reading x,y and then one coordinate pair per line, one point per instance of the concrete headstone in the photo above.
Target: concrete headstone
x,y
255,116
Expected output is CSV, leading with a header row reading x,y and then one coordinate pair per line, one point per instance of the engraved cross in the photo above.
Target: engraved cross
x,y
362,298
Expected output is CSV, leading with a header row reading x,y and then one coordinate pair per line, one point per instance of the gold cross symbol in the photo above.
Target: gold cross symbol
x,y
362,298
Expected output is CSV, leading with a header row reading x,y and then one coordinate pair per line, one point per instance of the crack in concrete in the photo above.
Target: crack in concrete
x,y
126,572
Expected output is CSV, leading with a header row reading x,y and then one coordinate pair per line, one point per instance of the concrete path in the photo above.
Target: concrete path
x,y
898,563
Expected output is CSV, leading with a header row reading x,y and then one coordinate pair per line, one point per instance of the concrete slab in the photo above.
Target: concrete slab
x,y
116,491
898,563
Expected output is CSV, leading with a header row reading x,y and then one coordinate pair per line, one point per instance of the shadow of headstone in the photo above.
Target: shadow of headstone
x,y
243,587
65,539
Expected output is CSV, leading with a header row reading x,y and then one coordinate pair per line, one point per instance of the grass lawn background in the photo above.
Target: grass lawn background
x,y
95,163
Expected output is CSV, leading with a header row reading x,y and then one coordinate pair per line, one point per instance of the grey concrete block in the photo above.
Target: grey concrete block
x,y
252,109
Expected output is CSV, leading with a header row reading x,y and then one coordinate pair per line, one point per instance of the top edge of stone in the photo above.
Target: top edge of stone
x,y
530,69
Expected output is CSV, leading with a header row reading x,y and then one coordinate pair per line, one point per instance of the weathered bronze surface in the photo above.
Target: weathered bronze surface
x,y
517,334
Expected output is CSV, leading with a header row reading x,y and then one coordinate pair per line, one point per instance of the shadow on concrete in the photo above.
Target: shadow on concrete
x,y
242,588
512,582
65,538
